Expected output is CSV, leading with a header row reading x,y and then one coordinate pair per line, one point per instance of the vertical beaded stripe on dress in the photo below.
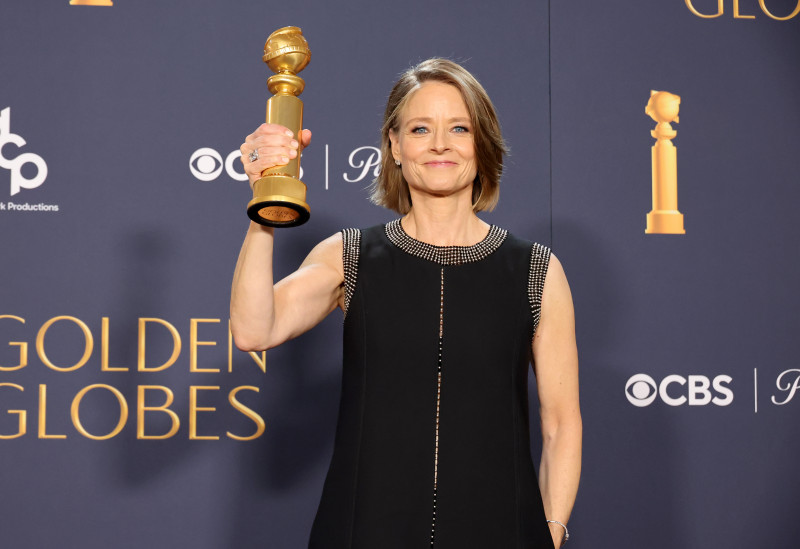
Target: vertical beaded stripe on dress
x,y
444,255
438,406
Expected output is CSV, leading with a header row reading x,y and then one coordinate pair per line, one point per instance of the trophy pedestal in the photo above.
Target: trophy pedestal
x,y
279,201
665,222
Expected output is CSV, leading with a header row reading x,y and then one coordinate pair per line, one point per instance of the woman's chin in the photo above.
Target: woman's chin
x,y
443,190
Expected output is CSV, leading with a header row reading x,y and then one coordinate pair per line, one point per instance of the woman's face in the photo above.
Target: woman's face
x,y
434,141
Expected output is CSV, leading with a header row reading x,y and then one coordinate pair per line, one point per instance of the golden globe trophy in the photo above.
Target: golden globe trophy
x,y
279,197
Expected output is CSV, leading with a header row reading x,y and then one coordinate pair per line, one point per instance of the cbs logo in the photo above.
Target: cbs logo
x,y
675,390
206,164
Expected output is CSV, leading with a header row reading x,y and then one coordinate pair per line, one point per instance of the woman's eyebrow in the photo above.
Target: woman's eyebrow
x,y
429,119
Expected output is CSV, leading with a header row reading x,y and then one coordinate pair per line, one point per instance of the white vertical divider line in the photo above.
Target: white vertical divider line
x,y
755,390
326,167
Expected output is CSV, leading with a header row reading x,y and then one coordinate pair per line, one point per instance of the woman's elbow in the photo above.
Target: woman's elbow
x,y
249,345
562,425
249,342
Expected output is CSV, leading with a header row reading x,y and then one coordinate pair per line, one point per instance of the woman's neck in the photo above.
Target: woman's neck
x,y
444,221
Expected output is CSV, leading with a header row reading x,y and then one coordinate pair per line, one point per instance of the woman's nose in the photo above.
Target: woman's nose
x,y
440,141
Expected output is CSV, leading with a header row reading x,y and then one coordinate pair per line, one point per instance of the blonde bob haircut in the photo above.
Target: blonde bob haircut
x,y
390,189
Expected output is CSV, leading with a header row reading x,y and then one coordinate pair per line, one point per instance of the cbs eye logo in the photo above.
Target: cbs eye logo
x,y
641,390
698,390
206,164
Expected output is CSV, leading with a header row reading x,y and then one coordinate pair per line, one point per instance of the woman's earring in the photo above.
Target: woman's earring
x,y
397,162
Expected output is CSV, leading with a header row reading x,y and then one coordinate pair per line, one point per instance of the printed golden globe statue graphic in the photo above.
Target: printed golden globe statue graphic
x,y
279,197
664,218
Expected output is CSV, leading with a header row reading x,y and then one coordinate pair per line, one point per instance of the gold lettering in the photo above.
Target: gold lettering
x,y
23,348
736,14
75,411
22,414
43,414
176,345
194,408
194,343
104,367
698,14
88,345
141,409
253,416
769,13
260,361
230,348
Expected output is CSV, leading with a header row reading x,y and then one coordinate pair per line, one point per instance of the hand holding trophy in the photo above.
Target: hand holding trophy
x,y
279,197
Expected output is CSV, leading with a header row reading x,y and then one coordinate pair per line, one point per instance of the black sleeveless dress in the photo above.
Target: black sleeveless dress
x,y
432,445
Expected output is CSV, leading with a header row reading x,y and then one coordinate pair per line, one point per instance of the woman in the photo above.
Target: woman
x,y
442,316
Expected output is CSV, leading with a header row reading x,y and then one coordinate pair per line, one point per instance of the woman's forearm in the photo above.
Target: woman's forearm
x,y
252,295
560,471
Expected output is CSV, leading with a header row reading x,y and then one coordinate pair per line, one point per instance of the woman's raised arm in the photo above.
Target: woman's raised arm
x,y
264,314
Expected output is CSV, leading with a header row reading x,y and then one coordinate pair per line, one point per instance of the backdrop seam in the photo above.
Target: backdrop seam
x,y
550,115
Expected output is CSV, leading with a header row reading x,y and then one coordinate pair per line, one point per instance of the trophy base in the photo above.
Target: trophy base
x,y
665,222
279,201
278,211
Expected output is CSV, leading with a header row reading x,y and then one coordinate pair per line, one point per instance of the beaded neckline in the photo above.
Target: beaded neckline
x,y
445,255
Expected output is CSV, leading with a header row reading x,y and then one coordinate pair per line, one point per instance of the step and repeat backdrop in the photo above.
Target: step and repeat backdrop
x,y
655,147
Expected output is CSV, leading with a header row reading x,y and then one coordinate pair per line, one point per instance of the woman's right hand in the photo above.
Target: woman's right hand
x,y
276,146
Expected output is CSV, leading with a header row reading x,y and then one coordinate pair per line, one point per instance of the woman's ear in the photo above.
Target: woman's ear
x,y
394,145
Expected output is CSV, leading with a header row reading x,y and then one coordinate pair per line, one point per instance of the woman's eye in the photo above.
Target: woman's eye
x,y
461,129
419,130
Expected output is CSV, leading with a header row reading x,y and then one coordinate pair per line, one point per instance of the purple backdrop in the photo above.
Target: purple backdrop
x,y
122,211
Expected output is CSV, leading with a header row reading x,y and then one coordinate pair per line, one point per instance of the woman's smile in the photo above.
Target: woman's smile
x,y
440,164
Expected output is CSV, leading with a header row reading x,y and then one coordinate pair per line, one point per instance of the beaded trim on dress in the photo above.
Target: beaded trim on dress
x,y
540,260
445,255
351,246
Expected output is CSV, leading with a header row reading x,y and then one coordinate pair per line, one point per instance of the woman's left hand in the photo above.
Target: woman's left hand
x,y
557,531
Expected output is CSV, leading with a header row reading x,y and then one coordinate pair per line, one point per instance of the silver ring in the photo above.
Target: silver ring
x,y
253,156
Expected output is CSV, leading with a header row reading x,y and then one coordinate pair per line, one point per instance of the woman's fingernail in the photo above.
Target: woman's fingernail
x,y
294,143
289,133
285,159
292,153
